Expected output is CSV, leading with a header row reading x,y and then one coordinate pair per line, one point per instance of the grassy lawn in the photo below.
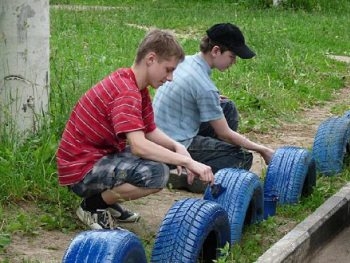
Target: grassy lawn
x,y
291,72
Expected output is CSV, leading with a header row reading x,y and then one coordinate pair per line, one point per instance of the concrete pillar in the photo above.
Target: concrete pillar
x,y
24,64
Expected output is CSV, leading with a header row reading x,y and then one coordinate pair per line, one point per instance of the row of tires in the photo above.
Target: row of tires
x,y
196,229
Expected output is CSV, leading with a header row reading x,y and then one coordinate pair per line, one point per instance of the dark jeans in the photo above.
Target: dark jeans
x,y
231,116
208,149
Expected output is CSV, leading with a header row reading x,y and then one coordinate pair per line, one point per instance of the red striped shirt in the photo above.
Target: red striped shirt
x,y
99,121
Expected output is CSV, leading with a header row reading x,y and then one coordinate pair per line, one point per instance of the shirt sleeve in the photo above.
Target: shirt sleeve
x,y
209,106
126,113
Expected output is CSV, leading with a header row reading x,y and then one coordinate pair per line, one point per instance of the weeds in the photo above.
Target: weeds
x,y
5,240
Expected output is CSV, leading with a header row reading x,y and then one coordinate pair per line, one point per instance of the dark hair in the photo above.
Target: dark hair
x,y
206,45
161,42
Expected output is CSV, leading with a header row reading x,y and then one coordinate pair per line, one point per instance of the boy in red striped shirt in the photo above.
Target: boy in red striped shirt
x,y
111,150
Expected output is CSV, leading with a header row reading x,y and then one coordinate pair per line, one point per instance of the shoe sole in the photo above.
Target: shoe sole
x,y
134,220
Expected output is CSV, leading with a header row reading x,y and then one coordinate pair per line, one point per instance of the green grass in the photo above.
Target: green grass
x,y
291,62
291,72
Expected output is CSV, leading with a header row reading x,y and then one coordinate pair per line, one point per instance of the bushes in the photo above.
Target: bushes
x,y
306,5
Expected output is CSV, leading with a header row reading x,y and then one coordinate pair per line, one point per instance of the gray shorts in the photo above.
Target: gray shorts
x,y
116,169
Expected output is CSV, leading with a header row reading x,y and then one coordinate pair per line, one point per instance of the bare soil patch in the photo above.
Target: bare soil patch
x,y
50,246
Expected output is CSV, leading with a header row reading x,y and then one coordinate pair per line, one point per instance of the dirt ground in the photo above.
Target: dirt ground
x,y
50,246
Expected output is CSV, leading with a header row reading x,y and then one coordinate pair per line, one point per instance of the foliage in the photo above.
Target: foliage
x,y
306,5
5,240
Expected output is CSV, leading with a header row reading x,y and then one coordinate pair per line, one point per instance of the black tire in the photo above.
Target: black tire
x,y
310,180
331,144
193,230
290,174
241,197
180,182
347,115
97,246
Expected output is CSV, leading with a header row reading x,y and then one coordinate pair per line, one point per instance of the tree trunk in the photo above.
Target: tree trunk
x,y
24,64
276,2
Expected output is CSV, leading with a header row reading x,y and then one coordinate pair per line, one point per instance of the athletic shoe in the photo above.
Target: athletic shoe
x,y
101,219
122,215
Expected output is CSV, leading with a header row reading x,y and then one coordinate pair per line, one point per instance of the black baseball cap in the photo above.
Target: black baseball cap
x,y
230,36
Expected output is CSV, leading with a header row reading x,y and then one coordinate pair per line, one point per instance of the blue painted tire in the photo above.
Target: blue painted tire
x,y
242,198
97,246
193,230
290,174
331,144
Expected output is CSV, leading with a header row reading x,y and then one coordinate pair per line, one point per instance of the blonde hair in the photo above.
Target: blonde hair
x,y
163,43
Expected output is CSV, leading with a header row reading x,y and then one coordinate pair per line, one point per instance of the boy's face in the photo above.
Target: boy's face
x,y
224,60
161,71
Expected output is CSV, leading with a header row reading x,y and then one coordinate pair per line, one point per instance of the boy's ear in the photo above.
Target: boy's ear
x,y
150,58
215,50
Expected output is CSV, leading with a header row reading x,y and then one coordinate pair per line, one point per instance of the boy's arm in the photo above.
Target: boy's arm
x,y
159,137
224,132
147,149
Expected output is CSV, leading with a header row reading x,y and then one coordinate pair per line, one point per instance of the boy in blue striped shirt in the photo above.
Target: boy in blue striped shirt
x,y
191,110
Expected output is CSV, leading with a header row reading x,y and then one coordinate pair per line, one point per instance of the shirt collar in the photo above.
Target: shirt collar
x,y
202,62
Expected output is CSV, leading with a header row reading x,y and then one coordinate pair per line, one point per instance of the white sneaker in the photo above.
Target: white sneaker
x,y
101,219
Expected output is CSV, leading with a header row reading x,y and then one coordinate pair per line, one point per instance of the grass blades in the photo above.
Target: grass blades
x,y
291,72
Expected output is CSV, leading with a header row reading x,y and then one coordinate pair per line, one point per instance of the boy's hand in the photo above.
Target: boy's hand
x,y
267,153
195,168
180,149
223,97
201,170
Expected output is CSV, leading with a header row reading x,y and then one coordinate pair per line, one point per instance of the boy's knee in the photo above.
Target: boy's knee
x,y
160,176
228,105
231,113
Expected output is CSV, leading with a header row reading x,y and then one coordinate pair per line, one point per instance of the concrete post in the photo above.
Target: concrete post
x,y
24,64
276,2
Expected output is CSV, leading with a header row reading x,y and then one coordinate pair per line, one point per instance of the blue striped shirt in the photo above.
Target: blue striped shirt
x,y
191,98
